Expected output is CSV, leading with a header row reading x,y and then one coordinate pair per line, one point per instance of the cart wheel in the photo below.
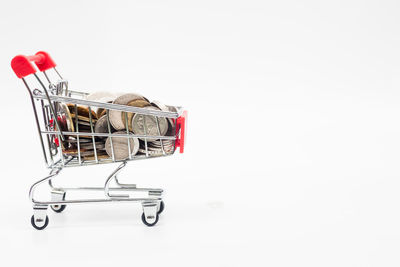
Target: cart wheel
x,y
56,196
162,206
149,224
39,227
58,208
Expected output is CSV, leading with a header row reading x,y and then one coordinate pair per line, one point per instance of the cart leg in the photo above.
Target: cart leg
x,y
132,186
39,218
112,176
57,196
150,212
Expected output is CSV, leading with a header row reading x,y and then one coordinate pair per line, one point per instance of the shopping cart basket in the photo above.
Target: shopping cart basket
x,y
47,99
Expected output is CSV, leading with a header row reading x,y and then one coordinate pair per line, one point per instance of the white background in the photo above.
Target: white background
x,y
293,143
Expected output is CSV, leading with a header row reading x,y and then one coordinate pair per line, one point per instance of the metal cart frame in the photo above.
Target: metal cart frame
x,y
45,103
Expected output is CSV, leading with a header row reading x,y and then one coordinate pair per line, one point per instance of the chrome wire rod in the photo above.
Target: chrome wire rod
x,y
143,111
110,177
53,173
164,137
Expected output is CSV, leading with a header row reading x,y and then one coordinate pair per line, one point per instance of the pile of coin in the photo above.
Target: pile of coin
x,y
75,118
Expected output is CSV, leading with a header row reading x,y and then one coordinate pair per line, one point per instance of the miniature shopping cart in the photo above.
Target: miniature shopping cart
x,y
47,98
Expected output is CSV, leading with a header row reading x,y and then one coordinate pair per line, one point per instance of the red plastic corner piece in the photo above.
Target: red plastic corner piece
x,y
181,125
46,61
22,66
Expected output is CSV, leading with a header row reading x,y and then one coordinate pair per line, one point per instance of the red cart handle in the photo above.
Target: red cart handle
x,y
23,67
181,125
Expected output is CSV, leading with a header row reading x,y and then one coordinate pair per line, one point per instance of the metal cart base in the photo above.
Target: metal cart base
x,y
152,205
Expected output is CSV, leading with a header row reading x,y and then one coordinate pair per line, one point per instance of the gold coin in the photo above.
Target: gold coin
x,y
82,111
101,111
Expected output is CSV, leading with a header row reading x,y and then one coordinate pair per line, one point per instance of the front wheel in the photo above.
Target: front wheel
x,y
37,225
147,223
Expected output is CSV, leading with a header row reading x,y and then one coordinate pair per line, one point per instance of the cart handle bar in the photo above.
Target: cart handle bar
x,y
23,67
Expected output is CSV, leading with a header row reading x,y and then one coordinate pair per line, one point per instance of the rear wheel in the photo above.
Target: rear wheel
x,y
58,208
162,206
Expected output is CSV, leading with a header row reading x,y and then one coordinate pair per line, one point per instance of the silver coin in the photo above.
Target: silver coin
x,y
64,113
154,147
120,145
160,105
138,125
165,143
172,108
100,96
157,152
165,108
171,128
101,125
115,115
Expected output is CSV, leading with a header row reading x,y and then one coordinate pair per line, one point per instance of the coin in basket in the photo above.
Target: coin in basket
x,y
139,103
101,125
164,143
115,115
101,111
153,151
83,124
84,153
172,109
89,145
156,152
83,113
101,96
74,141
120,145
75,152
160,105
163,107
171,128
167,145
139,120
150,152
82,110
64,113
107,99
100,155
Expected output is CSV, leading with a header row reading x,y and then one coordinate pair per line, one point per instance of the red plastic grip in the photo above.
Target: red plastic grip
x,y
181,125
23,67
46,63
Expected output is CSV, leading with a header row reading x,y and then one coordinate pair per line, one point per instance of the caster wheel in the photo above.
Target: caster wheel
x,y
149,224
58,208
162,206
39,227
